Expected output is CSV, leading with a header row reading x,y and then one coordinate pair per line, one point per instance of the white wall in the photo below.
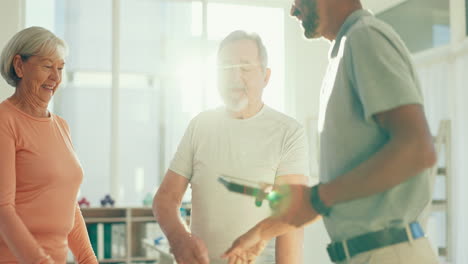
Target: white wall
x,y
306,63
11,21
443,78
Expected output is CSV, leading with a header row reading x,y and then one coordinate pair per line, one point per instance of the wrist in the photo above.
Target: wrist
x,y
317,203
272,227
325,194
260,230
174,236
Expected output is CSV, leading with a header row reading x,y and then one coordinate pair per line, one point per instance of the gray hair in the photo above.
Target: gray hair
x,y
242,35
32,41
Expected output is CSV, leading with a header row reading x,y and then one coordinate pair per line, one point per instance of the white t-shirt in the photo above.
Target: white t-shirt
x,y
261,148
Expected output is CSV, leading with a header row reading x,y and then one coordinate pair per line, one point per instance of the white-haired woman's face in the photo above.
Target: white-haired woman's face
x,y
40,75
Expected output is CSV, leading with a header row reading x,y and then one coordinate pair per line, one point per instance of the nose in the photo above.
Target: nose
x,y
294,11
55,74
232,74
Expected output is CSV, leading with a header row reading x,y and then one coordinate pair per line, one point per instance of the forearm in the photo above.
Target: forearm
x,y
289,247
395,163
78,241
272,227
168,216
18,238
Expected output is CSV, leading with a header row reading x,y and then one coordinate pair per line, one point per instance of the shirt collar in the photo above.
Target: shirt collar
x,y
349,21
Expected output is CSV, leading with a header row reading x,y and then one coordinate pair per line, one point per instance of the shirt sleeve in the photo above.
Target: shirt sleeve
x,y
380,70
78,241
13,231
182,163
295,156
64,126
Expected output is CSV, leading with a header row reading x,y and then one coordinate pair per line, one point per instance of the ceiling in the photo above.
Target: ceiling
x,y
378,6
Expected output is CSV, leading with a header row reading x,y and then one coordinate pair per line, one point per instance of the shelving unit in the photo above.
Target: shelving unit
x,y
134,221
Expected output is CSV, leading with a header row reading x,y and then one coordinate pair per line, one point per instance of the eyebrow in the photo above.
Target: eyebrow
x,y
45,59
247,62
241,62
51,61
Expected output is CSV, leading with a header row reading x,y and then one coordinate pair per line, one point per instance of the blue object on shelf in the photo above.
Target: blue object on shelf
x,y
183,212
157,241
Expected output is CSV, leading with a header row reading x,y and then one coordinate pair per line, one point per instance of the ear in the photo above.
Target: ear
x,y
267,77
18,65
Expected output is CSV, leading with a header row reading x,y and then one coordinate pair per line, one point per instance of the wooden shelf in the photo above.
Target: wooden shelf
x,y
135,227
93,220
104,212
439,205
122,260
142,212
112,260
143,219
143,259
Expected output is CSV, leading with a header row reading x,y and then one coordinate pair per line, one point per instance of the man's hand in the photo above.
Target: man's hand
x,y
246,248
291,209
189,249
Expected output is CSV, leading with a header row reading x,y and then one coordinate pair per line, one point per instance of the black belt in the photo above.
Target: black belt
x,y
373,240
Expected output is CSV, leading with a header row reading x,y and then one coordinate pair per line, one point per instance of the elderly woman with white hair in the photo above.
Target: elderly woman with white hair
x,y
39,171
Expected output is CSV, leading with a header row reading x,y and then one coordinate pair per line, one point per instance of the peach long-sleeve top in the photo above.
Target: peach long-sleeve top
x,y
39,180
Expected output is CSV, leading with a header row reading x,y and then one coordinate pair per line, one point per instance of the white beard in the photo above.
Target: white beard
x,y
236,105
234,102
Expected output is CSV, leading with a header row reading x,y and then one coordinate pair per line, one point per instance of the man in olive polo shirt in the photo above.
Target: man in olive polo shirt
x,y
375,146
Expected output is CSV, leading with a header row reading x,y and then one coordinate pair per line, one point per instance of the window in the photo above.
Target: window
x,y
160,88
84,99
422,24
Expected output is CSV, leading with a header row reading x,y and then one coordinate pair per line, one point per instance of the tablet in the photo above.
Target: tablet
x,y
242,186
250,188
